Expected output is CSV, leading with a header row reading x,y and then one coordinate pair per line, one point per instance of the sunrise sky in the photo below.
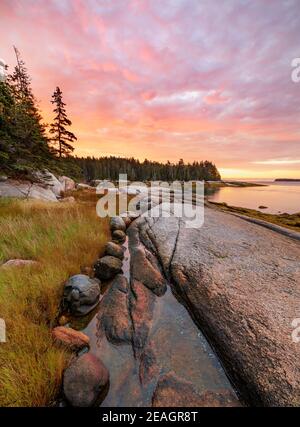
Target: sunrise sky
x,y
168,79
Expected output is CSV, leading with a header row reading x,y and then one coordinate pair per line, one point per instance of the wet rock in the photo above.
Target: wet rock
x,y
262,207
81,294
240,281
113,249
107,267
117,223
85,381
119,236
145,269
144,266
172,391
141,306
69,338
114,317
149,368
3,178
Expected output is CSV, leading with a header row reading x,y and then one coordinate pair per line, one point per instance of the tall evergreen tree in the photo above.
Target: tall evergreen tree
x,y
25,140
62,137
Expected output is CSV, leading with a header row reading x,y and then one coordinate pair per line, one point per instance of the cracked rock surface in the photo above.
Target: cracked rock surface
x,y
241,283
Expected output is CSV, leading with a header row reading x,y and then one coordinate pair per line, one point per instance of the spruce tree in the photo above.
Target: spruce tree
x,y
62,137
28,148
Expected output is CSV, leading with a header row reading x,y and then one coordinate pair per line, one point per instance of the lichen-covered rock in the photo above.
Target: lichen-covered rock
x,y
107,267
70,338
85,381
117,223
113,249
81,294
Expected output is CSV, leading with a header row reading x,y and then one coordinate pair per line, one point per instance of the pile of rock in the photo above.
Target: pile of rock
x,y
108,266
86,380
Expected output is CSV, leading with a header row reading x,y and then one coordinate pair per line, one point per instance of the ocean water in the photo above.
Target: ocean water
x,y
277,197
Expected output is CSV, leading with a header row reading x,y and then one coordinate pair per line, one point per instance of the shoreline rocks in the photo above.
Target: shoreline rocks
x,y
118,236
113,249
240,282
107,267
81,294
85,381
25,189
117,223
172,391
70,338
47,187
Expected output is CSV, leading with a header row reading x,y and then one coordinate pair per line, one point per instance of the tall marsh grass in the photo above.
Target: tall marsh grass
x,y
62,238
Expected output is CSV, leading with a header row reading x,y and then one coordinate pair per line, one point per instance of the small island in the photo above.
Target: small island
x,y
287,180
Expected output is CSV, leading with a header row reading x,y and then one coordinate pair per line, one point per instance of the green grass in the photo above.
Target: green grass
x,y
62,238
291,221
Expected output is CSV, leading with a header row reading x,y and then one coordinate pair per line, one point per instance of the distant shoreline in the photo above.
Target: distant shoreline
x,y
287,180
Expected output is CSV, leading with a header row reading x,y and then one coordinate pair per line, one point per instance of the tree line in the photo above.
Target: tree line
x,y
111,167
26,146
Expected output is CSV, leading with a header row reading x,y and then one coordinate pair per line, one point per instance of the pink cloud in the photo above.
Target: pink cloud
x,y
114,60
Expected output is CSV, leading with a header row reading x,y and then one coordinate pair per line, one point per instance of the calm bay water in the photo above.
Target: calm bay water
x,y
278,197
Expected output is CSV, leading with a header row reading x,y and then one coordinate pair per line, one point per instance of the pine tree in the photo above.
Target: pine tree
x,y
30,149
62,137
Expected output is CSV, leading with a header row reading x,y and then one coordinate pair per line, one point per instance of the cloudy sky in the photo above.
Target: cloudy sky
x,y
168,79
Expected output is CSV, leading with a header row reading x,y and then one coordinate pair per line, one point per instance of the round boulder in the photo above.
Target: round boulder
x,y
117,223
107,267
119,236
86,381
113,249
81,294
70,338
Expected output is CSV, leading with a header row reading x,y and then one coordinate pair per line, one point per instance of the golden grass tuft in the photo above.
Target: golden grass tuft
x,y
62,237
